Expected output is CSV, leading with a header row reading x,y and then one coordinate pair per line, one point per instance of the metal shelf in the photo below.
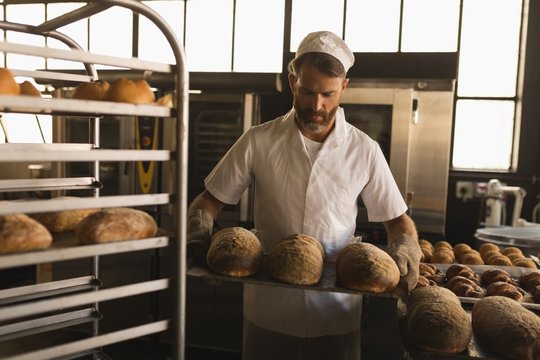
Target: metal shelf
x,y
35,105
61,252
49,184
68,203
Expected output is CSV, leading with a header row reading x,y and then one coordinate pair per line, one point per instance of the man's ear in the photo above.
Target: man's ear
x,y
292,82
345,84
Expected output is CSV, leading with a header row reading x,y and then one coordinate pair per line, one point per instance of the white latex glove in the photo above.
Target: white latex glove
x,y
406,253
199,233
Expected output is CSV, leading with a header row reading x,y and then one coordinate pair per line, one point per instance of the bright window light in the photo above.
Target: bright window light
x,y
111,32
255,48
26,128
489,51
209,35
315,15
430,26
373,26
78,31
31,14
153,46
483,134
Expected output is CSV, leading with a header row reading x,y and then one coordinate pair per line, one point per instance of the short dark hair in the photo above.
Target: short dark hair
x,y
325,63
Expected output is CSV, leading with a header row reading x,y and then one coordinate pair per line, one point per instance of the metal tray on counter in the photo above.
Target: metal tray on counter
x,y
524,237
328,281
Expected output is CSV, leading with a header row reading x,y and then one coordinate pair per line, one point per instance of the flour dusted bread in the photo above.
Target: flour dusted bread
x,y
365,267
436,321
19,232
504,327
116,224
61,221
297,259
130,91
235,252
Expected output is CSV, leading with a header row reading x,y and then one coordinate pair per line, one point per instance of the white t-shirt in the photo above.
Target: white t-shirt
x,y
292,194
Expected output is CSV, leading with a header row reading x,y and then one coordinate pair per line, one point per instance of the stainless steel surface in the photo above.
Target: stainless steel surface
x,y
73,16
525,237
328,281
64,302
48,323
420,146
82,56
26,104
24,293
59,204
175,204
62,251
48,184
94,342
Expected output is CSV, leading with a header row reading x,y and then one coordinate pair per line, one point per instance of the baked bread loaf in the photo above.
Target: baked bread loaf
x,y
234,251
506,328
95,90
436,321
486,247
297,259
431,272
115,224
8,85
61,221
130,91
365,267
524,262
463,271
28,89
19,232
462,286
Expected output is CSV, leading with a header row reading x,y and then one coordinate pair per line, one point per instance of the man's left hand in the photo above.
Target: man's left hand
x,y
406,252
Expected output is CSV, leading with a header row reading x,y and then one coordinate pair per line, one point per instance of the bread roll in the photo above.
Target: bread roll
x,y
506,328
529,280
427,253
365,267
488,247
116,224
436,321
471,258
28,89
234,251
460,249
8,85
500,260
130,91
511,250
95,90
488,255
443,255
501,288
493,275
297,259
525,262
431,272
443,244
463,271
19,232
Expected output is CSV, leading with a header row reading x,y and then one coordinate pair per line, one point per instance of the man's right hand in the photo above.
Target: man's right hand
x,y
199,234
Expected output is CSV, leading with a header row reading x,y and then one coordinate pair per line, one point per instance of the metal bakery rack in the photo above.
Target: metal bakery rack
x,y
38,309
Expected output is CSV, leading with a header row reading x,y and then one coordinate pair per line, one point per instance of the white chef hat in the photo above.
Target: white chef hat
x,y
329,43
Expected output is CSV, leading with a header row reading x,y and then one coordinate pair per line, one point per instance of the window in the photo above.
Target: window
x,y
488,69
32,14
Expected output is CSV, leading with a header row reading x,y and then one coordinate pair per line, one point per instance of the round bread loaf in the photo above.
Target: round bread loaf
x,y
19,232
365,267
436,321
116,224
235,252
297,259
95,90
130,91
61,221
506,328
8,85
28,89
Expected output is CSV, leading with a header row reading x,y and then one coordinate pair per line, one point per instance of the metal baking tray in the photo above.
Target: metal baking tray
x,y
328,281
525,237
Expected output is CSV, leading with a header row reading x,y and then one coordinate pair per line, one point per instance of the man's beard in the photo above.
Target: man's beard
x,y
314,127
